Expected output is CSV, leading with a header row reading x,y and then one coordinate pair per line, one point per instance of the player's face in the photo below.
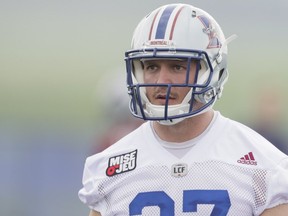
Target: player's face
x,y
167,72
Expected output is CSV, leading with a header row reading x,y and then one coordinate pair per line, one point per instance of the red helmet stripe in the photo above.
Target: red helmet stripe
x,y
174,23
152,26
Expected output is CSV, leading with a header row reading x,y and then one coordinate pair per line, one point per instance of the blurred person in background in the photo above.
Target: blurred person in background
x,y
267,119
116,120
119,128
186,157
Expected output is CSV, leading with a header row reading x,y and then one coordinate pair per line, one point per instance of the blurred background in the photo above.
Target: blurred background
x,y
63,96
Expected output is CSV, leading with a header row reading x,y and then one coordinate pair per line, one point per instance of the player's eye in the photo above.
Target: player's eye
x,y
150,67
179,67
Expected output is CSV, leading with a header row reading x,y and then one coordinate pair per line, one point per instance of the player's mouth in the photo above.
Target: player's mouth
x,y
161,99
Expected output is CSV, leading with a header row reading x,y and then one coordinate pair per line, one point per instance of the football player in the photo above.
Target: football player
x,y
186,157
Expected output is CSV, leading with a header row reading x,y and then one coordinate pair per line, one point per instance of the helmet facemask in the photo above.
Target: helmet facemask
x,y
199,96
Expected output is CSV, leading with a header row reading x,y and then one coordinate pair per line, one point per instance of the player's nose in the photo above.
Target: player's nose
x,y
164,75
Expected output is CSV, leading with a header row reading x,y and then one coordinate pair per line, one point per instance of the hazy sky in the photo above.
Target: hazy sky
x,y
56,53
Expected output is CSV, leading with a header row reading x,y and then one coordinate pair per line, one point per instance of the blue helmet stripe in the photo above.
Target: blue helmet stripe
x,y
162,25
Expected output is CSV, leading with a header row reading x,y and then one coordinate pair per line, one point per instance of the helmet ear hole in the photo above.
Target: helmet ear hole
x,y
220,74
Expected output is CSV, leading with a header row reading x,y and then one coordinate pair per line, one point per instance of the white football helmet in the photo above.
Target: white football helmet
x,y
184,32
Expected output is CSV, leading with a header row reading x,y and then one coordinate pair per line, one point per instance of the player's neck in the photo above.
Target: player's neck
x,y
185,130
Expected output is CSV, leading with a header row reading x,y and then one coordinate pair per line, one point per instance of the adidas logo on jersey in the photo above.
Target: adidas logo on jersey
x,y
248,159
121,163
